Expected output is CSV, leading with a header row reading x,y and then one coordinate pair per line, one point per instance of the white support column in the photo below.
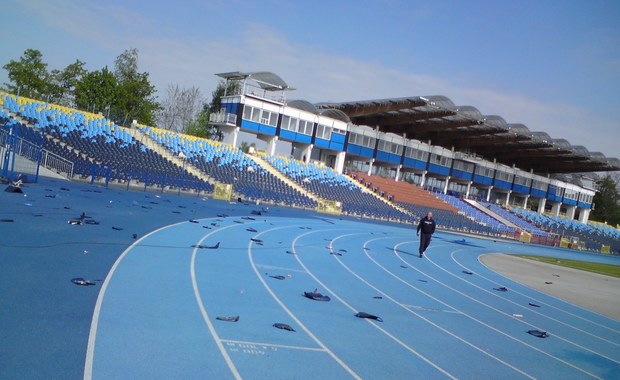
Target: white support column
x,y
527,197
489,193
235,134
308,153
302,152
231,135
542,202
508,198
272,142
271,146
570,212
372,160
555,208
445,188
398,173
339,164
468,189
584,215
423,180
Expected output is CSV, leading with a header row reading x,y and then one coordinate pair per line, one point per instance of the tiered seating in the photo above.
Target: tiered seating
x,y
98,147
402,191
229,165
605,230
591,236
475,214
329,185
451,220
513,218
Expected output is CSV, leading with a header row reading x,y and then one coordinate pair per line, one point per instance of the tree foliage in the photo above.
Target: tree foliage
x,y
200,125
122,94
606,201
96,91
228,88
202,128
63,83
135,95
28,76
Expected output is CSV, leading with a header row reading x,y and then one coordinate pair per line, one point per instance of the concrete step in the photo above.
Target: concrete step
x,y
167,154
278,174
490,213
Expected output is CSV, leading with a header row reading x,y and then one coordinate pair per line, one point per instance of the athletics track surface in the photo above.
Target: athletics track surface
x,y
154,316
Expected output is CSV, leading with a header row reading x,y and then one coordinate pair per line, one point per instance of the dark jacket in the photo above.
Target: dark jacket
x,y
426,225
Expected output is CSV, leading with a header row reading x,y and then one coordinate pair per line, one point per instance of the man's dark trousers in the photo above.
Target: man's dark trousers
x,y
425,240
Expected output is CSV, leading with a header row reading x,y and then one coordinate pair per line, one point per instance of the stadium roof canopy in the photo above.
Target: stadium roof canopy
x,y
266,80
464,128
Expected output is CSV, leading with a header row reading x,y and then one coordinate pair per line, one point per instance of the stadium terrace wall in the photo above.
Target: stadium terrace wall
x,y
339,140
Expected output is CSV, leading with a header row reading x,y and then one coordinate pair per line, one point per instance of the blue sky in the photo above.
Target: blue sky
x,y
551,65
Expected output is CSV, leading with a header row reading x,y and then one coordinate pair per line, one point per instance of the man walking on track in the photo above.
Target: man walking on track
x,y
427,226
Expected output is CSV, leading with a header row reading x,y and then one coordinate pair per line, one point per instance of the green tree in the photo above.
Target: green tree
x,y
135,95
606,201
96,91
63,83
245,146
200,126
228,88
28,76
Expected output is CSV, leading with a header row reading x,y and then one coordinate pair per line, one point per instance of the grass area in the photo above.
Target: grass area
x,y
606,269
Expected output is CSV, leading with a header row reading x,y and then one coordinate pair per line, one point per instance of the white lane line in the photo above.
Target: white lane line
x,y
556,335
92,336
403,306
261,344
477,320
264,266
203,310
531,310
288,311
335,295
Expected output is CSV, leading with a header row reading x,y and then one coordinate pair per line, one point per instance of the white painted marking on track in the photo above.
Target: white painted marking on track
x,y
530,325
285,346
280,268
477,320
290,313
360,278
203,310
534,311
92,336
336,296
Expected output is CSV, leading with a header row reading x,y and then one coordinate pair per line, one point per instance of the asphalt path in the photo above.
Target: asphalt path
x,y
592,291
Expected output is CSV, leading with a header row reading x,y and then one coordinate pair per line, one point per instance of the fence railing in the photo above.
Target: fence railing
x,y
55,162
37,154
223,117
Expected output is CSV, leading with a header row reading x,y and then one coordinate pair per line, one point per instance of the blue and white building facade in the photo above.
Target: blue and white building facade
x,y
258,105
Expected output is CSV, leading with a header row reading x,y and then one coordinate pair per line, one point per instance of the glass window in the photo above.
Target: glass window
x,y
247,112
323,132
273,119
256,115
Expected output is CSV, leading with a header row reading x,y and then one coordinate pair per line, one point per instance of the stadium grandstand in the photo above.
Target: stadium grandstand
x,y
388,159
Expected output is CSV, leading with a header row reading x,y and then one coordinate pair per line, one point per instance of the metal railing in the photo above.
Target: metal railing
x,y
36,153
55,162
223,117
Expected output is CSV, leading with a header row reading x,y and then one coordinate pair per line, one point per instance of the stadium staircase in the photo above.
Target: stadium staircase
x,y
403,192
167,154
376,195
276,173
490,213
